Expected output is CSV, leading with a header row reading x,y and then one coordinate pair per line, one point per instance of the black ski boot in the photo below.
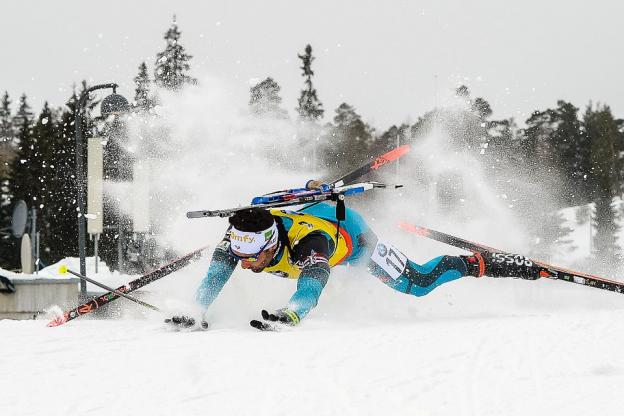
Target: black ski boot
x,y
501,265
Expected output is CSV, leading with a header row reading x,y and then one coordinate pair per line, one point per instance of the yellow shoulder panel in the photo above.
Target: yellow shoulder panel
x,y
304,224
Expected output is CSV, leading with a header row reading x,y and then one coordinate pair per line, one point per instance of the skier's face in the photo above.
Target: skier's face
x,y
261,261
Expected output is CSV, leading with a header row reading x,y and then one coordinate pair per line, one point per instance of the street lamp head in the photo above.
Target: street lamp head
x,y
114,104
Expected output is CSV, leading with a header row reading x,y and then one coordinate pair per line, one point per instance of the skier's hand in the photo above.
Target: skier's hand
x,y
183,321
284,316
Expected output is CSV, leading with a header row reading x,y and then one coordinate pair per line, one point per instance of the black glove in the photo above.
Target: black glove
x,y
184,322
284,316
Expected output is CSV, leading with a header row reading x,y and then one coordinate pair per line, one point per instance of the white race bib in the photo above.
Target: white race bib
x,y
389,258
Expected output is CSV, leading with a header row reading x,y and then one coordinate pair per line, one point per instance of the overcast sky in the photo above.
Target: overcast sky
x,y
383,57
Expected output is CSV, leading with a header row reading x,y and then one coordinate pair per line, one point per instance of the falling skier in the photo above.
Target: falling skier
x,y
306,244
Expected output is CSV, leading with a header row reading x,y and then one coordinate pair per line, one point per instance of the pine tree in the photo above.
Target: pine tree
x,y
555,149
605,243
7,154
63,221
310,108
466,127
605,139
24,113
142,82
26,170
350,140
391,138
43,175
7,145
22,177
425,124
172,64
539,149
265,100
502,151
6,125
571,146
41,164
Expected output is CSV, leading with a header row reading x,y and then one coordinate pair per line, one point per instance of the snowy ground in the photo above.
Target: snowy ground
x,y
472,347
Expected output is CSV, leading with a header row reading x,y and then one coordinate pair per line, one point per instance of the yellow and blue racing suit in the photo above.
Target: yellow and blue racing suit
x,y
311,243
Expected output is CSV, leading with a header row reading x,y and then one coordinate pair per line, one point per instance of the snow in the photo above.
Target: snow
x,y
539,363
472,347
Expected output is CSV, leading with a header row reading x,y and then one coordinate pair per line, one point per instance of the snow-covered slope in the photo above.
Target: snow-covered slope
x,y
472,347
537,363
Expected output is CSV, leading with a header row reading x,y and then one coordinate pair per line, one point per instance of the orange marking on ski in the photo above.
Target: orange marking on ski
x,y
481,263
414,229
379,162
390,156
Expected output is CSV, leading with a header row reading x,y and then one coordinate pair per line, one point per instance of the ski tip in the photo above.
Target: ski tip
x,y
56,322
398,152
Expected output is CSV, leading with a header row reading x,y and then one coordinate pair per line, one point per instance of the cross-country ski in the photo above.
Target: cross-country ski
x,y
503,258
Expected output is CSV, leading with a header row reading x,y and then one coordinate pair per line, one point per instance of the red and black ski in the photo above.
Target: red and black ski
x,y
375,164
99,301
546,270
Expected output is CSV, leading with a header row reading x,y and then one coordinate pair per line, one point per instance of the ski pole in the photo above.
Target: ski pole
x,y
149,277
63,269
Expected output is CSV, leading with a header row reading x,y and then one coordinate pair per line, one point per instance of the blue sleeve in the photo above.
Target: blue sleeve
x,y
309,287
221,267
311,254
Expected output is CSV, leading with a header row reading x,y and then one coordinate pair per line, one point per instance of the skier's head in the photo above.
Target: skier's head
x,y
253,238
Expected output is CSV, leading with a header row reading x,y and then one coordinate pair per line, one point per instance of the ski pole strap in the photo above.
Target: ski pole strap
x,y
341,214
282,234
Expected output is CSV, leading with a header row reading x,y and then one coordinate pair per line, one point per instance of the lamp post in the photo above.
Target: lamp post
x,y
113,104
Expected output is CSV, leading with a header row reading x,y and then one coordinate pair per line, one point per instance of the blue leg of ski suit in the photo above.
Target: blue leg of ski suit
x,y
415,280
419,280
